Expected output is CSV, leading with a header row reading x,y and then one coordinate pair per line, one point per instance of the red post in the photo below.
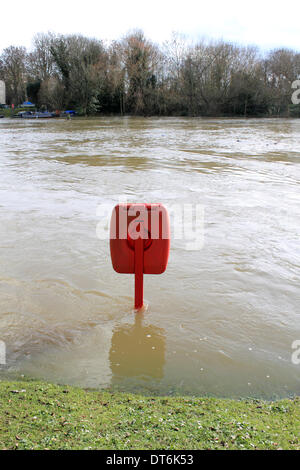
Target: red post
x,y
139,273
139,244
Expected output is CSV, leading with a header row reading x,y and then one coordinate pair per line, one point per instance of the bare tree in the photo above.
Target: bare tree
x,y
13,64
40,62
140,59
282,68
80,62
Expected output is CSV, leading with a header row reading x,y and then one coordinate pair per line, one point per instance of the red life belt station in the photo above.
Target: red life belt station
x,y
139,242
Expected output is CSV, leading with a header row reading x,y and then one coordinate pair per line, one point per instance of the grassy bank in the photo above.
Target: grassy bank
x,y
6,112
36,415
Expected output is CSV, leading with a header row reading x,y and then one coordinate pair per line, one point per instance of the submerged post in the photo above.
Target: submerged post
x,y
138,273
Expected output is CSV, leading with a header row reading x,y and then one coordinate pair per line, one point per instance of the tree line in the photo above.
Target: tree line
x,y
135,76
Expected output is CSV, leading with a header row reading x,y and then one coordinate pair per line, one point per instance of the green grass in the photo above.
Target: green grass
x,y
6,112
36,415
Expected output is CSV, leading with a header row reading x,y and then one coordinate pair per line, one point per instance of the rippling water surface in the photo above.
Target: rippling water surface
x,y
220,320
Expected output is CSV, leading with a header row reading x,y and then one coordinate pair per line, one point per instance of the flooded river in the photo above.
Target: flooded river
x,y
221,320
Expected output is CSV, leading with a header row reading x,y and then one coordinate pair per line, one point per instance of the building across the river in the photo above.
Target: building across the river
x,y
2,92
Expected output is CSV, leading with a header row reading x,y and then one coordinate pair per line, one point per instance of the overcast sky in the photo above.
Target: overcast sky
x,y
265,23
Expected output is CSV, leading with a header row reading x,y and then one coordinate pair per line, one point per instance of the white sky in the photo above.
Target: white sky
x,y
265,23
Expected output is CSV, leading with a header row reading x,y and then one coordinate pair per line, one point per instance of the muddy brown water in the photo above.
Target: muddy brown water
x,y
221,320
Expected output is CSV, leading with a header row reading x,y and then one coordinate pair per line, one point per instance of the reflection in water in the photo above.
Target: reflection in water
x,y
137,351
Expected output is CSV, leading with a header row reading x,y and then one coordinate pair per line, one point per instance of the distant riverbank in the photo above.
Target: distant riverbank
x,y
8,113
37,415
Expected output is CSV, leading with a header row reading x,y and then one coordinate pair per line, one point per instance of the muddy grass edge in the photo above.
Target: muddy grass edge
x,y
40,415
